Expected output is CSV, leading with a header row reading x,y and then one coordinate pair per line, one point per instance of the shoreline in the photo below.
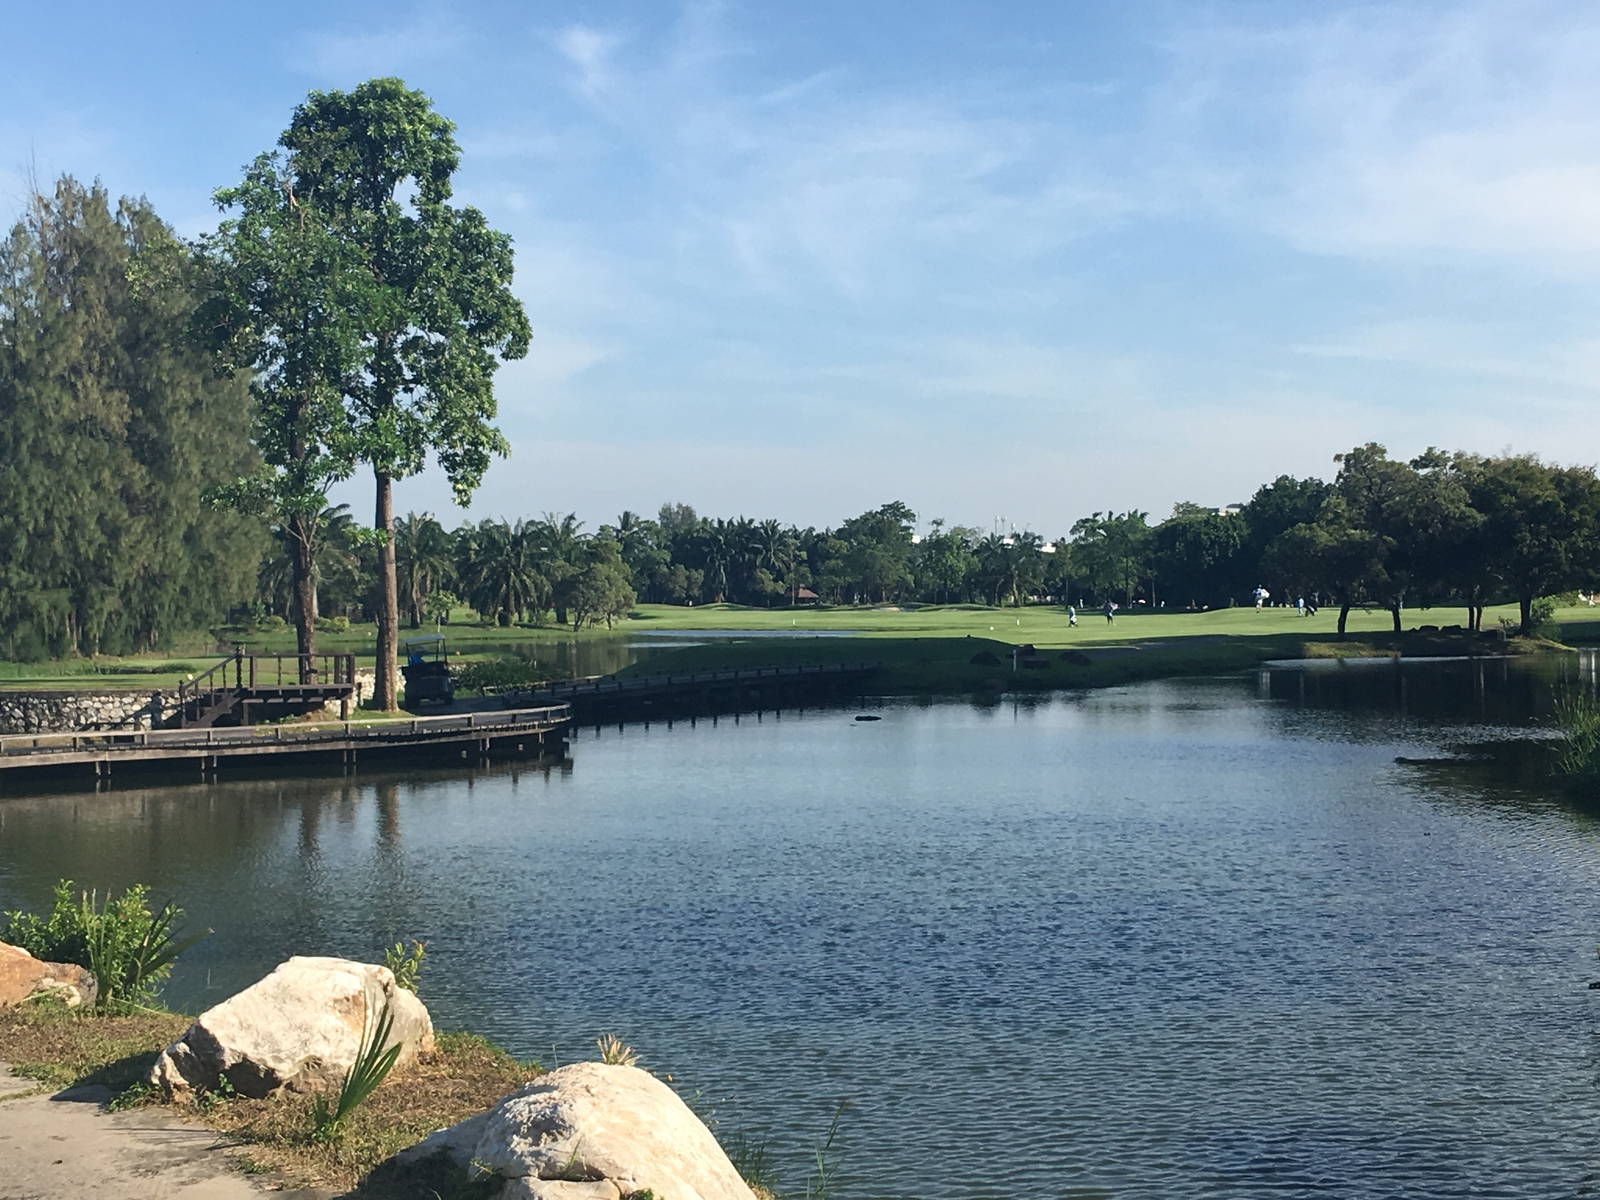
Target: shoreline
x,y
1040,625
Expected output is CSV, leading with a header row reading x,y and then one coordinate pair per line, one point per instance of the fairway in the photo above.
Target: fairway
x,y
1042,626
1047,625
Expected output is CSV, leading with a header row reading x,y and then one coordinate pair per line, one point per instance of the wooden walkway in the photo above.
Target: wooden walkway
x,y
468,735
244,688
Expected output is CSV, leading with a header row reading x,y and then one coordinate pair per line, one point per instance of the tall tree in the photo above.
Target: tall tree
x,y
112,426
288,305
1541,525
1195,552
375,164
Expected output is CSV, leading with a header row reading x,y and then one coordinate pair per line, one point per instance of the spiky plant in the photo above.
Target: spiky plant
x,y
616,1052
371,1067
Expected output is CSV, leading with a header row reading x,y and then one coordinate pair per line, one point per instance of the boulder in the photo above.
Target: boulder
x,y
300,1028
590,1131
24,977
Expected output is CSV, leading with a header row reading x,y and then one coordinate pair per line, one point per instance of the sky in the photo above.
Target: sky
x,y
1009,264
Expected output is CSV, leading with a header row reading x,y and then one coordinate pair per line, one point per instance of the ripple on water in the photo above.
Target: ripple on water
x,y
1192,940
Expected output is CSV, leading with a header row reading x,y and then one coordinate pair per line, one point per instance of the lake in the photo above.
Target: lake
x,y
1196,938
582,657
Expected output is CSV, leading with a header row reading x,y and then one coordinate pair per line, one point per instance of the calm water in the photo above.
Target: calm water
x,y
602,656
1189,939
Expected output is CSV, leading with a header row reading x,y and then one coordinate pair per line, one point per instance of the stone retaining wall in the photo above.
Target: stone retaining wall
x,y
63,712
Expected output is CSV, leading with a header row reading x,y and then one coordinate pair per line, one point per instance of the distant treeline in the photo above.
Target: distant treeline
x,y
119,436
1443,528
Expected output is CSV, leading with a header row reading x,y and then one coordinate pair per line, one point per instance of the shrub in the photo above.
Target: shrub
x,y
497,673
333,624
274,624
128,948
406,962
1540,613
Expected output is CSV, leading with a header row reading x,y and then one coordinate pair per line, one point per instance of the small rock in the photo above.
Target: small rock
x,y
24,977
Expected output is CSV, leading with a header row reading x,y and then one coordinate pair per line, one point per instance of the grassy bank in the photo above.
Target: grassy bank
x,y
463,1076
919,665
1250,635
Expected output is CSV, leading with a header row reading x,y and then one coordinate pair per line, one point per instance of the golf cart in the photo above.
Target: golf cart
x,y
427,671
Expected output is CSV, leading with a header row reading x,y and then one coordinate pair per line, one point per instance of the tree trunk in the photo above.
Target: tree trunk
x,y
1344,615
303,599
1394,612
1525,602
385,686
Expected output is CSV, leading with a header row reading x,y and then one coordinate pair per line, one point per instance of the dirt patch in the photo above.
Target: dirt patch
x,y
62,1048
464,1076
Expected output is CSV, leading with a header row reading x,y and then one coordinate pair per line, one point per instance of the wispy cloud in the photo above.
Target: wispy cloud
x,y
1400,129
589,51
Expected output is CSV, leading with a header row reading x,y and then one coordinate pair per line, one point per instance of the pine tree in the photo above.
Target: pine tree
x,y
112,426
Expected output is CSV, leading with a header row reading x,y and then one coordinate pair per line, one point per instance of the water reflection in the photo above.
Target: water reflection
x,y
1201,938
1504,693
605,655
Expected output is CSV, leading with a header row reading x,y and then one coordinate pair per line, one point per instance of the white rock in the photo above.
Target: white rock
x,y
592,1131
299,1028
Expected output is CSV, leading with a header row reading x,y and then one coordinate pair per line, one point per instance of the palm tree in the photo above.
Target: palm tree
x,y
716,547
559,549
993,568
503,575
422,561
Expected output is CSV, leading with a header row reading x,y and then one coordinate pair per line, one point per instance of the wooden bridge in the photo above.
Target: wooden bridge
x,y
608,696
243,689
203,751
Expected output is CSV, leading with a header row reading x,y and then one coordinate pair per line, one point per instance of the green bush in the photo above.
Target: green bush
x,y
405,963
333,624
128,948
497,673
274,624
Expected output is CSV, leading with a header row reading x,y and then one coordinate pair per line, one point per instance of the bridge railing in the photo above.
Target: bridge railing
x,y
241,670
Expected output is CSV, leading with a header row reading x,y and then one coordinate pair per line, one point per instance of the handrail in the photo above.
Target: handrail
x,y
337,669
13,744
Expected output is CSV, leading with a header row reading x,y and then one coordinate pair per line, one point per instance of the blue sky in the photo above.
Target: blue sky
x,y
1014,262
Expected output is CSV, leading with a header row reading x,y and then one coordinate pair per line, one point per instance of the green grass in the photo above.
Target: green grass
x,y
1041,626
911,664
61,1047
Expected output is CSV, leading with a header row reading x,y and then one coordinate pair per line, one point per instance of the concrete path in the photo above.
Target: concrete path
x,y
67,1147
